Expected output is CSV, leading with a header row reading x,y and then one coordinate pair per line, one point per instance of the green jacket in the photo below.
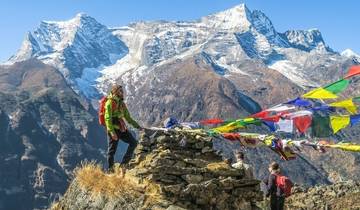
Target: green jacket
x,y
119,113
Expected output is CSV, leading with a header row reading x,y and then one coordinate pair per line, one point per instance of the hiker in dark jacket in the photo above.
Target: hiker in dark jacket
x,y
277,197
115,114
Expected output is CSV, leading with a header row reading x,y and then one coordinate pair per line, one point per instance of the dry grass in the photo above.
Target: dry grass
x,y
91,177
55,206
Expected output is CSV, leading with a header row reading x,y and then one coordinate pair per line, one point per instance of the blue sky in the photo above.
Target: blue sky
x,y
337,20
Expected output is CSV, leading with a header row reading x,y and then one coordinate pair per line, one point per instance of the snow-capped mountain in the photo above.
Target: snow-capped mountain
x,y
75,47
228,65
351,54
306,40
92,56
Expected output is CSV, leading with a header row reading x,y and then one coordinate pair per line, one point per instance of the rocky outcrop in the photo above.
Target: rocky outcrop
x,y
342,195
171,170
46,130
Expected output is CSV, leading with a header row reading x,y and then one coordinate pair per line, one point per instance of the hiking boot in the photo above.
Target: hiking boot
x,y
123,168
110,170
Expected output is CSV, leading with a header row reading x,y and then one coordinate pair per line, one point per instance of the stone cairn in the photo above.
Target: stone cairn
x,y
190,174
175,170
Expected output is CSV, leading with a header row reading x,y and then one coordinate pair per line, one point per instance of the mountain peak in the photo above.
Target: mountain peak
x,y
81,38
239,8
55,36
238,17
84,18
349,53
76,22
263,24
306,39
81,15
314,30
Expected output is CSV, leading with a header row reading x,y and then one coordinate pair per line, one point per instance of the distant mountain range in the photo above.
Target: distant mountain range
x,y
92,56
229,65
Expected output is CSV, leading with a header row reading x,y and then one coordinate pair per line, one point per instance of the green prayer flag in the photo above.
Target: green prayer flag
x,y
338,86
320,126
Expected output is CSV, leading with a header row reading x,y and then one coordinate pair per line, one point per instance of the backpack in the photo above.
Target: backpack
x,y
284,183
101,113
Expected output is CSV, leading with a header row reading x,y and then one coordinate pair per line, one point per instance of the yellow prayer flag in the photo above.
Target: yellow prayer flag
x,y
319,93
250,119
339,122
347,147
351,148
268,140
227,128
347,104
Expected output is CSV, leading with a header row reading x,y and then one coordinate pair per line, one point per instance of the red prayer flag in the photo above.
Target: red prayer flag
x,y
354,70
302,123
261,114
211,121
274,118
231,136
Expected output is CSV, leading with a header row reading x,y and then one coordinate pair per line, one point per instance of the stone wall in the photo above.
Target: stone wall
x,y
174,170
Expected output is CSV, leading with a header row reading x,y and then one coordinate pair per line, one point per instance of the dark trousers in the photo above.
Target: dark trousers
x,y
277,202
112,146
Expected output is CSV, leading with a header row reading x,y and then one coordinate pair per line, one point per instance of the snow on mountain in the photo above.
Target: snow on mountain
x,y
306,40
78,48
290,70
264,26
92,57
351,54
236,18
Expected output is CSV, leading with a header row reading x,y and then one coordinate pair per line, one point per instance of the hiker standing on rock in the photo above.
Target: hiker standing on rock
x,y
115,112
278,187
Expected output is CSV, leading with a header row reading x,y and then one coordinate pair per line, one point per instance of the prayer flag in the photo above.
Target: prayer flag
x,y
320,93
320,126
302,123
329,91
299,102
354,70
211,121
347,104
339,122
354,119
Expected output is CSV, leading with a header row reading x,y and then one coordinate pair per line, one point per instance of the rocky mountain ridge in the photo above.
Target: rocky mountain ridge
x,y
91,56
46,130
